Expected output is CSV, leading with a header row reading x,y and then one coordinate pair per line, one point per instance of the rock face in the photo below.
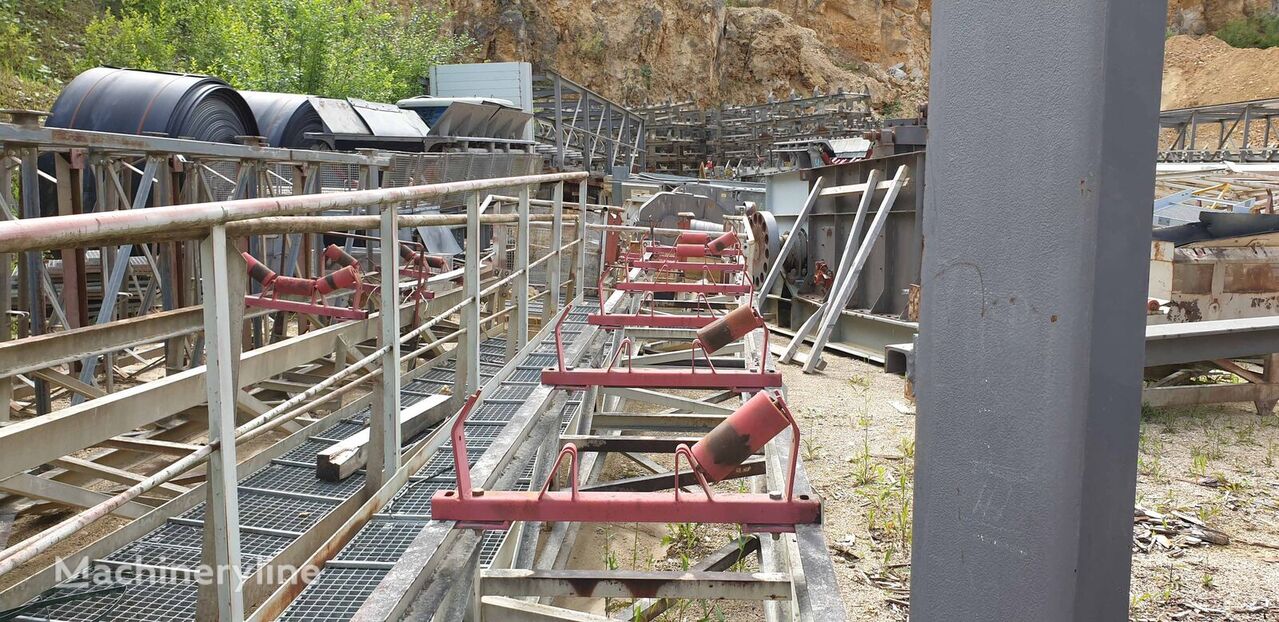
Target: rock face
x,y
709,51
739,51
1198,17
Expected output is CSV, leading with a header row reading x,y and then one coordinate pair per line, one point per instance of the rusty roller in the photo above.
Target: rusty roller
x,y
258,270
740,435
733,326
410,257
339,256
722,243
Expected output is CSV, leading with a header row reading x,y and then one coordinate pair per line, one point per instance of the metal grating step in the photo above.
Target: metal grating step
x,y
302,480
306,451
271,512
141,601
191,537
334,596
381,541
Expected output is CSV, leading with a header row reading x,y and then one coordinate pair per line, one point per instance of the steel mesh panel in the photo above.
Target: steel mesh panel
x,y
307,450
511,392
274,512
342,430
289,478
526,375
381,541
415,499
165,555
335,595
443,375
142,601
490,413
489,545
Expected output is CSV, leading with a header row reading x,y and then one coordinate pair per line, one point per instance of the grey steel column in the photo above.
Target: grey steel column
x,y
384,428
1032,327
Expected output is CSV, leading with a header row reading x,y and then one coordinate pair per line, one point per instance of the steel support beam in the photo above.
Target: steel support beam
x,y
468,363
384,427
1034,278
222,339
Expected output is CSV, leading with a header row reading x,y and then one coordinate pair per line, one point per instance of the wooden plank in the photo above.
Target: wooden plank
x,y
34,487
340,461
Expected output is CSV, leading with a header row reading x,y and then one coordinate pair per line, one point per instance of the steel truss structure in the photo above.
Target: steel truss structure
x,y
580,129
1235,132
682,136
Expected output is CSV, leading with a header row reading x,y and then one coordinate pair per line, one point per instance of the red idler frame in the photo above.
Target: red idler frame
x,y
339,256
498,509
740,435
736,324
258,270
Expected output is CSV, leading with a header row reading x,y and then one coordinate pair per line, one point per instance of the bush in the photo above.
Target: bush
x,y
1258,31
371,49
18,52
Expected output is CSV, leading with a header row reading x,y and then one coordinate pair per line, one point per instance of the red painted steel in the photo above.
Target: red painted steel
x,y
498,509
678,266
683,288
695,377
274,286
693,237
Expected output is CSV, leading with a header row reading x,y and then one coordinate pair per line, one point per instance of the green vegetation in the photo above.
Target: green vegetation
x,y
1257,31
372,49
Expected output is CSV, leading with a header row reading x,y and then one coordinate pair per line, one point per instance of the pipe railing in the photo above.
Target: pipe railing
x,y
253,216
77,230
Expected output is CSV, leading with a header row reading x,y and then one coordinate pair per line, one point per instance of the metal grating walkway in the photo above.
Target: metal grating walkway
x,y
339,590
277,504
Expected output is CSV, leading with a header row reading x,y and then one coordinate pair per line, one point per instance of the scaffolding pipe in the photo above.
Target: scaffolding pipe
x,y
76,230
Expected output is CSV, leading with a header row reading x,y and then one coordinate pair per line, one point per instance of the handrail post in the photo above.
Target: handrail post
x,y
222,345
579,287
384,427
553,277
520,334
469,354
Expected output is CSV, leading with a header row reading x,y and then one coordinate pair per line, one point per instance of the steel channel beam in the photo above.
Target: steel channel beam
x,y
698,584
1030,363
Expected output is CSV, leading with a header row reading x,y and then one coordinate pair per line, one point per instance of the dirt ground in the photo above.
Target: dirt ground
x,y
1214,464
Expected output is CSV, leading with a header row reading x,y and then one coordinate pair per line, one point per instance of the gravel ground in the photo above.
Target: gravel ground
x,y
1217,464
